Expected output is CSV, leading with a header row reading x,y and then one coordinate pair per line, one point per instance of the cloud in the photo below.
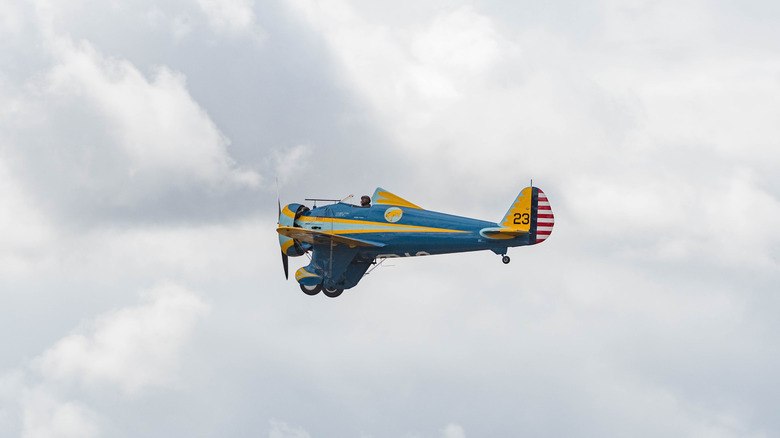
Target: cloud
x,y
462,80
153,252
12,21
162,131
230,16
47,417
96,133
181,26
290,163
280,429
681,221
130,350
453,430
24,230
408,73
135,348
457,94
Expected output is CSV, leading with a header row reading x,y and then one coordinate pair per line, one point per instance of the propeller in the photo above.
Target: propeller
x,y
285,261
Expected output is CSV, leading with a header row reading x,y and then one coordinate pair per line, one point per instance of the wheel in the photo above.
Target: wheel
x,y
311,290
505,259
332,293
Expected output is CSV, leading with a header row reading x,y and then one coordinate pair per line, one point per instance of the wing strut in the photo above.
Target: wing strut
x,y
376,265
332,243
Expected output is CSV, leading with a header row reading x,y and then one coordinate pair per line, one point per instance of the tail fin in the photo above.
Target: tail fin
x,y
530,214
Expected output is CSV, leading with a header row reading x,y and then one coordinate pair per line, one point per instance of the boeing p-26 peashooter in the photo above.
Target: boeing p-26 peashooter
x,y
345,240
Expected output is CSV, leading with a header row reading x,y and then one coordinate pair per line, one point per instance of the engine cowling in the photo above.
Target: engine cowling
x,y
289,214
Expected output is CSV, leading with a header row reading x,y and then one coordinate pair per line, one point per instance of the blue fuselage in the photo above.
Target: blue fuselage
x,y
405,232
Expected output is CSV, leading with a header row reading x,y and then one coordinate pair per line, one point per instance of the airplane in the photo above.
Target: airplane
x,y
345,239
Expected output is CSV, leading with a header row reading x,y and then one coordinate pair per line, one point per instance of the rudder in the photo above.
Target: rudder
x,y
544,220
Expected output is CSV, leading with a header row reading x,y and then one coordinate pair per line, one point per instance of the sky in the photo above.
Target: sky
x,y
141,286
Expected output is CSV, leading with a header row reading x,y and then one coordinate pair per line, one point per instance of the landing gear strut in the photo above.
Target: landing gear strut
x,y
505,259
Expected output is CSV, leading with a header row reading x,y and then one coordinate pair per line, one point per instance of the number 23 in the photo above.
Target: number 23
x,y
522,219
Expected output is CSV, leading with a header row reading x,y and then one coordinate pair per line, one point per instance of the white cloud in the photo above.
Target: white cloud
x,y
459,95
453,430
461,44
159,251
46,417
131,350
290,163
230,16
12,19
280,429
12,387
93,130
407,73
24,230
726,222
134,348
159,127
181,26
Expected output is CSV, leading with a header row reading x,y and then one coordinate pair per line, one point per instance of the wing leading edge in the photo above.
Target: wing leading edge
x,y
324,238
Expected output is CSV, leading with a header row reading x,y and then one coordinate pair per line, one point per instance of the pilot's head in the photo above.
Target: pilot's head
x,y
365,201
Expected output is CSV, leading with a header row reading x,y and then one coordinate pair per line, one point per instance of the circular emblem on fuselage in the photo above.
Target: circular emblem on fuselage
x,y
393,214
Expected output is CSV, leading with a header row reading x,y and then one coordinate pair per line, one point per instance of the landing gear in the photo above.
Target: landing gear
x,y
311,290
332,293
505,259
314,290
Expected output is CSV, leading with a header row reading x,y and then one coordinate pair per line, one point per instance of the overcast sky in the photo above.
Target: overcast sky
x,y
141,287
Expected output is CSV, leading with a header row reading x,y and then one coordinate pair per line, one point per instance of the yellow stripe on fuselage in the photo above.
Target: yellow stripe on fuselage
x,y
388,227
407,230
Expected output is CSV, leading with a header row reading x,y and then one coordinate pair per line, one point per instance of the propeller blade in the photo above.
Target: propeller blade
x,y
285,261
278,199
286,268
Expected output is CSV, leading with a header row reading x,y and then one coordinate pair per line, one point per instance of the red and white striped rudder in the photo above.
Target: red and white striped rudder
x,y
543,215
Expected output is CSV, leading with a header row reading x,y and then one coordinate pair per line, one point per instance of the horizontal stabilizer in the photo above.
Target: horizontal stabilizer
x,y
323,238
501,233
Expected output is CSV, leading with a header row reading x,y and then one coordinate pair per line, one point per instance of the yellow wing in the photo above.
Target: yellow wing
x,y
323,238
